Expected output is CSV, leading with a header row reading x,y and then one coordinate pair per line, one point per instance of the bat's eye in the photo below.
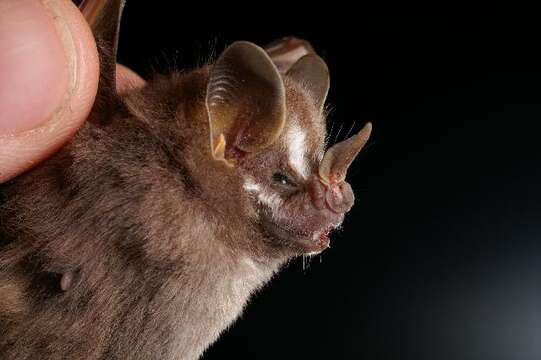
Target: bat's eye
x,y
283,180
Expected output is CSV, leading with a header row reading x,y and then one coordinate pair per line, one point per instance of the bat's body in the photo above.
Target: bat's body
x,y
138,240
167,299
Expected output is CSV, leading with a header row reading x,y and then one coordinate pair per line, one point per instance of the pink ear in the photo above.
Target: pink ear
x,y
245,102
312,72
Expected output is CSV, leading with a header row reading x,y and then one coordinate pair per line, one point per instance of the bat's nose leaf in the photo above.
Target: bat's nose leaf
x,y
338,158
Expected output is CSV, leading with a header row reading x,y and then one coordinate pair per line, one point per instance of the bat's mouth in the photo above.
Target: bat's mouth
x,y
301,238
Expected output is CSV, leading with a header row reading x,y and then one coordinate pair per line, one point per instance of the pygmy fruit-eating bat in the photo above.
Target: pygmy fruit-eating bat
x,y
145,235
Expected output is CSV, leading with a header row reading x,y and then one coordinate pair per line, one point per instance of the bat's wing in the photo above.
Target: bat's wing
x,y
103,16
287,51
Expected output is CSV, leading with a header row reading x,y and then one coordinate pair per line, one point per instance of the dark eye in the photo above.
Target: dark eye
x,y
283,180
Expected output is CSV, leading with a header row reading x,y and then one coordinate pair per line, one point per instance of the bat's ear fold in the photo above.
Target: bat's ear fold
x,y
103,16
245,102
287,51
311,71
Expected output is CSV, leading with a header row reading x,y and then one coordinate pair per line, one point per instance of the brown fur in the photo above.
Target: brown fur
x,y
135,241
138,210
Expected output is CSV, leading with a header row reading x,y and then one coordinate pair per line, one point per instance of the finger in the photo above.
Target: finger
x,y
127,79
49,70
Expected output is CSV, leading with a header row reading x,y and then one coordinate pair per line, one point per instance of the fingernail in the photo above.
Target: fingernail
x,y
35,64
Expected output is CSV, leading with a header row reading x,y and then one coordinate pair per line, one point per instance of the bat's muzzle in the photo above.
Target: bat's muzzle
x,y
338,198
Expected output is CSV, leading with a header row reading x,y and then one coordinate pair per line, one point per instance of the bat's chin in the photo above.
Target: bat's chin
x,y
303,239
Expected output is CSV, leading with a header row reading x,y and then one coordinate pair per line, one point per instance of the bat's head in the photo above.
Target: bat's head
x,y
267,174
268,132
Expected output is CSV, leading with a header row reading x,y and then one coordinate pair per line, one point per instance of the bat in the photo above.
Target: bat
x,y
145,235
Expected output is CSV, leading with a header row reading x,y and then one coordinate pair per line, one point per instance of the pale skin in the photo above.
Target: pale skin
x,y
49,69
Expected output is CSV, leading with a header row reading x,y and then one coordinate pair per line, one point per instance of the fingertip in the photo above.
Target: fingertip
x,y
22,148
33,66
127,79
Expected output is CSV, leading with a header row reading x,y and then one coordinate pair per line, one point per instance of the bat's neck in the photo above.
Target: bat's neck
x,y
210,297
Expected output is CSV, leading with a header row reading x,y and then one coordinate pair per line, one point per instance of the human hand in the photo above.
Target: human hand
x,y
49,73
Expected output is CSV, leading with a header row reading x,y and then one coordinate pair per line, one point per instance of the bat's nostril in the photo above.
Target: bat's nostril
x,y
339,197
336,197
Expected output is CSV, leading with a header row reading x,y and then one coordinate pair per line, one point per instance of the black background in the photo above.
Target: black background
x,y
439,259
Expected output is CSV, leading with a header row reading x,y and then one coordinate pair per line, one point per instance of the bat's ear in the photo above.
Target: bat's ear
x,y
103,16
245,102
287,51
313,73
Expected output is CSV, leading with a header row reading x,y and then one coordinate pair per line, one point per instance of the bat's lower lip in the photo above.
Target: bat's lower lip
x,y
302,240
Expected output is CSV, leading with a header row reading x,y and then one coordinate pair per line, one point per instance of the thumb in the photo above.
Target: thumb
x,y
48,79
